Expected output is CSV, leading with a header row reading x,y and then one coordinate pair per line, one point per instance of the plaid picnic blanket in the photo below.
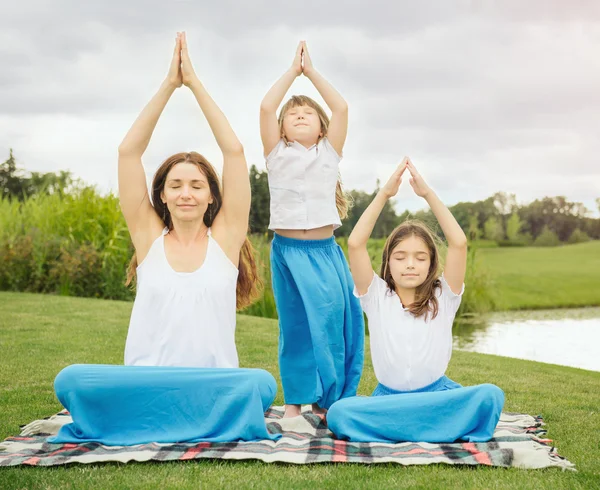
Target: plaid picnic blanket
x,y
518,442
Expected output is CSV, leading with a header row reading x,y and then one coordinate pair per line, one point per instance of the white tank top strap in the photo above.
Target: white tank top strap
x,y
209,232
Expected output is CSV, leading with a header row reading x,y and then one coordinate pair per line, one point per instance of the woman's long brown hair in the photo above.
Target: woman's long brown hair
x,y
426,301
248,281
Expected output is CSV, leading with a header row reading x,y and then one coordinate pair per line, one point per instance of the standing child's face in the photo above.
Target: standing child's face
x,y
409,262
302,124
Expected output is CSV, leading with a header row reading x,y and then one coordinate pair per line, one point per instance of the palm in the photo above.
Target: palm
x,y
417,182
187,70
391,187
174,75
307,66
297,64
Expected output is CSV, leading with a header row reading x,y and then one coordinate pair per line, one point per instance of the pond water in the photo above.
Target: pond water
x,y
567,337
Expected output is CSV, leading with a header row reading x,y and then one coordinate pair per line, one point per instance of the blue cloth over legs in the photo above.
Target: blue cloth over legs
x,y
321,325
443,411
127,405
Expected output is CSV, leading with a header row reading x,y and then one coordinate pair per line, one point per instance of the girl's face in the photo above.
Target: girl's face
x,y
302,124
409,262
186,193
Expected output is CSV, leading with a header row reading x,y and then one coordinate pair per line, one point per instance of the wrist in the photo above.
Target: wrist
x,y
382,194
309,73
194,84
429,195
169,85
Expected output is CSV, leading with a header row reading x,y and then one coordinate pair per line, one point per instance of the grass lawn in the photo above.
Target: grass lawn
x,y
544,277
39,335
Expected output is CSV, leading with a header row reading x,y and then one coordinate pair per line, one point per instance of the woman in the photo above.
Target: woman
x,y
194,264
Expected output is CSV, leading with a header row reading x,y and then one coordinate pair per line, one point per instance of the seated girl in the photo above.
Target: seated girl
x,y
411,308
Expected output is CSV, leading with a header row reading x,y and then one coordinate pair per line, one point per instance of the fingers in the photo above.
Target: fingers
x,y
306,53
300,48
177,45
411,167
177,50
402,167
184,42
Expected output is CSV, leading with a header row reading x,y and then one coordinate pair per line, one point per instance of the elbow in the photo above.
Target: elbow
x,y
236,149
461,244
342,108
354,244
126,150
266,108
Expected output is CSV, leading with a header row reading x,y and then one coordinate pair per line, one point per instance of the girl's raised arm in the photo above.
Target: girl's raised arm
x,y
456,260
338,126
360,262
269,126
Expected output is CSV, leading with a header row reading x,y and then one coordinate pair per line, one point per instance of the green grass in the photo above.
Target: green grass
x,y
39,335
544,277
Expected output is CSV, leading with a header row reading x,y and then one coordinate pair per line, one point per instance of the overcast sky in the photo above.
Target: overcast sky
x,y
483,96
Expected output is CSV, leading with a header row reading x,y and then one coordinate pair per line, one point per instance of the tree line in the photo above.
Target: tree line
x,y
499,218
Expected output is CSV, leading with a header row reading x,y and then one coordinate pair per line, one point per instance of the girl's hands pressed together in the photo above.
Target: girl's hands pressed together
x,y
297,63
307,66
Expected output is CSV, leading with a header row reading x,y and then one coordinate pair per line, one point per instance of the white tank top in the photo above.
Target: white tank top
x,y
302,184
183,318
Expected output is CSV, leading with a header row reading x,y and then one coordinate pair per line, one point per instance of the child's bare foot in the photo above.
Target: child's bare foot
x,y
292,411
317,410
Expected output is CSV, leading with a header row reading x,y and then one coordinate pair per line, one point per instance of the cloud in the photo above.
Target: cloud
x,y
483,96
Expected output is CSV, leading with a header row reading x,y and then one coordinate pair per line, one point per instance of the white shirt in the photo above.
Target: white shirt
x,y
183,318
302,184
408,352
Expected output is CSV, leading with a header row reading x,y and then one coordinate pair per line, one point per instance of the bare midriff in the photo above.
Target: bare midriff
x,y
312,234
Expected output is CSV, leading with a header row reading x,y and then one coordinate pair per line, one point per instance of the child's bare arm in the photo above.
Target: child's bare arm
x,y
338,126
360,262
269,126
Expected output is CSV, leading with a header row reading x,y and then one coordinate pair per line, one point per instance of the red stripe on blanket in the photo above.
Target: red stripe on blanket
x,y
191,452
66,447
480,457
32,461
340,454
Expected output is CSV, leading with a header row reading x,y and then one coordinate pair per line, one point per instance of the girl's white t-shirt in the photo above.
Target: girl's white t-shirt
x,y
408,352
302,183
184,318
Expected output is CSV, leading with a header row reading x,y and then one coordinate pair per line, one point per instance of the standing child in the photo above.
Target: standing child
x,y
321,326
410,310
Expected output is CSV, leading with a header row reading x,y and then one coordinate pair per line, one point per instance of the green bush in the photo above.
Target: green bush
x,y
78,244
75,244
547,238
578,236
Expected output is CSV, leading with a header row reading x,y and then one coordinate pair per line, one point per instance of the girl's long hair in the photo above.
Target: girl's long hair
x,y
426,301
